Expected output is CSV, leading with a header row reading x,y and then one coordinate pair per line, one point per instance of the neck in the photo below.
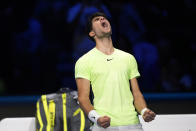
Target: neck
x,y
105,45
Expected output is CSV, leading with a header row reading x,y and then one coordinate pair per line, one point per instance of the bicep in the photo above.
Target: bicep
x,y
83,86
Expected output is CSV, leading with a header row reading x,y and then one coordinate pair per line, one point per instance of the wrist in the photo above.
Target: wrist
x,y
93,116
143,110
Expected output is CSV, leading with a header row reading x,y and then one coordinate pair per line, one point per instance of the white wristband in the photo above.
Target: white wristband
x,y
143,110
93,116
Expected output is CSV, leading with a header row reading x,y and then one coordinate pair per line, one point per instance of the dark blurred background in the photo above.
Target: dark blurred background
x,y
42,39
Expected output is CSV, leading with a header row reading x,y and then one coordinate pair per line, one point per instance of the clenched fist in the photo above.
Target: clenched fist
x,y
104,121
148,115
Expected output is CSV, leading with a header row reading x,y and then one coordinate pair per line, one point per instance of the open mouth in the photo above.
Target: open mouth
x,y
104,24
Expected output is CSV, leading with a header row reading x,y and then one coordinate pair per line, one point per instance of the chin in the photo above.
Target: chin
x,y
108,34
108,31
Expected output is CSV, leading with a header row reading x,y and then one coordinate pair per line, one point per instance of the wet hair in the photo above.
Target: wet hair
x,y
89,22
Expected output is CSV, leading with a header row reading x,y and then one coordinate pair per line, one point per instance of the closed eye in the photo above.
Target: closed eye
x,y
96,19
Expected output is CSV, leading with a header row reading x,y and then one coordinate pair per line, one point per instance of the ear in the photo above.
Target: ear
x,y
92,34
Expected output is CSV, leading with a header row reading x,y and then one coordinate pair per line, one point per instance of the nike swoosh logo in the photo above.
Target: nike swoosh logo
x,y
109,59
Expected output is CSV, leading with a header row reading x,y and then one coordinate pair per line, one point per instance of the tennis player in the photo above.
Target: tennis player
x,y
112,74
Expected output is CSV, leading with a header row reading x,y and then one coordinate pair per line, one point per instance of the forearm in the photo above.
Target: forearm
x,y
140,105
83,86
88,108
85,104
139,102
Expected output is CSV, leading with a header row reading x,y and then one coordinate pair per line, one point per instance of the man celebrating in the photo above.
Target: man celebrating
x,y
112,75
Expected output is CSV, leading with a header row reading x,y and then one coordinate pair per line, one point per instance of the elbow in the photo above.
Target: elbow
x,y
138,96
82,99
79,99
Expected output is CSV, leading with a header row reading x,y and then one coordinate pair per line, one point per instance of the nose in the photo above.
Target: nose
x,y
102,18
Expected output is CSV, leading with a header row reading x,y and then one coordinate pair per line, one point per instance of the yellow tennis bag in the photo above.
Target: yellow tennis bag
x,y
60,112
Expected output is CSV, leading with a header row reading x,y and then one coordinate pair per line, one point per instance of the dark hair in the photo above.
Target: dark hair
x,y
89,22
